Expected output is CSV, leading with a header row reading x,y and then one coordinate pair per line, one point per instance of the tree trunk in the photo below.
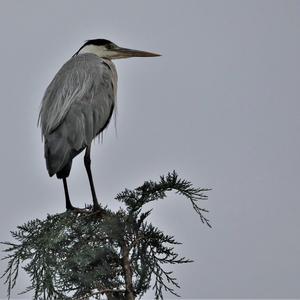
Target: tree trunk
x,y
129,294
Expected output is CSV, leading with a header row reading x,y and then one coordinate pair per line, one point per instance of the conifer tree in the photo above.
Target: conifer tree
x,y
117,255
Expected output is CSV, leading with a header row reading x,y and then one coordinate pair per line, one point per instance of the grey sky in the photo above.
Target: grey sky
x,y
221,107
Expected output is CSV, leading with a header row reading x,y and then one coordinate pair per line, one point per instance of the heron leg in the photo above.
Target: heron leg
x,y
87,163
69,206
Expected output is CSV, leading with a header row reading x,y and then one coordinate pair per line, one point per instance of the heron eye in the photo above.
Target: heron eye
x,y
110,46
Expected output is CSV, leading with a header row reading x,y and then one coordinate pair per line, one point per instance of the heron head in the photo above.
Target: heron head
x,y
107,49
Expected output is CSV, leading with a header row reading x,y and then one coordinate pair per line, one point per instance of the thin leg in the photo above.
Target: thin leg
x,y
87,163
68,202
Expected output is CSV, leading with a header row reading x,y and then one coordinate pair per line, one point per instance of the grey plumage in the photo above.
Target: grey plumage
x,y
76,107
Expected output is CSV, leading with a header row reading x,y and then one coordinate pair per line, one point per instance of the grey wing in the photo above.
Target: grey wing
x,y
77,106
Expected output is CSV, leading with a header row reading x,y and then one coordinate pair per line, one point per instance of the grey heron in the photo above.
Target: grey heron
x,y
77,106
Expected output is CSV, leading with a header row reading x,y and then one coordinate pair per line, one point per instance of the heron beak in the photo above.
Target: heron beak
x,y
127,53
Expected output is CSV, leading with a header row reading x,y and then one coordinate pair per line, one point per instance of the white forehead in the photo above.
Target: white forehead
x,y
94,49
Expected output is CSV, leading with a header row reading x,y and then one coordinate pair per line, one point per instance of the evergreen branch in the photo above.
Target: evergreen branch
x,y
151,191
100,292
160,277
80,255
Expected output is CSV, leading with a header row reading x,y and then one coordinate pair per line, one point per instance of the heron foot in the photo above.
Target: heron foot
x,y
97,207
75,209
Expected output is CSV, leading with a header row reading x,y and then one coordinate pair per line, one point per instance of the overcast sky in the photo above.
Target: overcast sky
x,y
221,107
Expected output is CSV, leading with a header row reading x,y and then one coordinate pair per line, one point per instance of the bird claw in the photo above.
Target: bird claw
x,y
76,209
97,208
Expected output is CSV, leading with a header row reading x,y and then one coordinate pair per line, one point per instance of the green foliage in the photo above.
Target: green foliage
x,y
76,255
